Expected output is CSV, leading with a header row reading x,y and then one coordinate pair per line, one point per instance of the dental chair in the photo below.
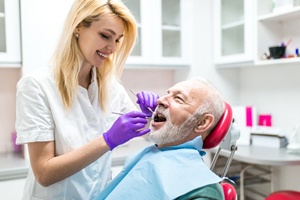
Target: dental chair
x,y
284,195
225,134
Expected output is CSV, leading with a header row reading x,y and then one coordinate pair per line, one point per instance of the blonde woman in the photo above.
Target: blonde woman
x,y
64,112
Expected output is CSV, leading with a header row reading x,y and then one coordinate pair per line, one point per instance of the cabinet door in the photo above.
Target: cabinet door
x,y
233,28
278,26
141,54
12,189
162,38
10,55
173,26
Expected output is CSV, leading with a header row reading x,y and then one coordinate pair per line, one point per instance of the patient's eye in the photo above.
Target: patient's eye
x,y
178,98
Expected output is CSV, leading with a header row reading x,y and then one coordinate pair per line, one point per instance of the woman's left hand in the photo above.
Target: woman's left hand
x,y
147,102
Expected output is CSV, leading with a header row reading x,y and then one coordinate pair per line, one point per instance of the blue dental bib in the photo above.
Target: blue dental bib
x,y
162,173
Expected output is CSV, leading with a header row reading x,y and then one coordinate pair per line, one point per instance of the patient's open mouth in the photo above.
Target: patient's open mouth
x,y
159,118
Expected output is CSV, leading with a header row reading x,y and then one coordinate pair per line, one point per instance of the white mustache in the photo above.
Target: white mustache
x,y
163,111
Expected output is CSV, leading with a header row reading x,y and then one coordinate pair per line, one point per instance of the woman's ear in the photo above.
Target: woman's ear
x,y
77,29
204,123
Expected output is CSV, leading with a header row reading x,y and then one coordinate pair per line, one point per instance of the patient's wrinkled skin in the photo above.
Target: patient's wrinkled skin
x,y
170,133
183,114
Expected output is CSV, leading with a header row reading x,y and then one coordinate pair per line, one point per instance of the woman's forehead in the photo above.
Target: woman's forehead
x,y
113,23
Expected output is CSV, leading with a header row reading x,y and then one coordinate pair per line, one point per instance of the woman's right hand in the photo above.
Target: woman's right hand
x,y
126,127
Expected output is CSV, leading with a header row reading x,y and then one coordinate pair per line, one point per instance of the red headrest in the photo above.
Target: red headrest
x,y
219,132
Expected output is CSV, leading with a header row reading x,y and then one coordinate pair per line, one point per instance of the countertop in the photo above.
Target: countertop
x,y
14,166
263,156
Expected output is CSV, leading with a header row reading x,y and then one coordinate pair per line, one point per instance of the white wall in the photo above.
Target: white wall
x,y
8,80
48,17
274,90
201,50
157,81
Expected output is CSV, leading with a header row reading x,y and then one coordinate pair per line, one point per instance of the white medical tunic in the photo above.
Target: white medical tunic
x,y
41,117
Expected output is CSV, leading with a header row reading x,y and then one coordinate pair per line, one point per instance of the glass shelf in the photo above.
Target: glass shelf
x,y
2,28
228,16
2,6
232,29
232,25
282,16
171,28
278,61
135,7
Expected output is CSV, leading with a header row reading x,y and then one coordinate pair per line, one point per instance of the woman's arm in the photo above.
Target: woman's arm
x,y
49,169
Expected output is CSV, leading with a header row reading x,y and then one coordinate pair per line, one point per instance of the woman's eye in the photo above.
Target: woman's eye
x,y
104,36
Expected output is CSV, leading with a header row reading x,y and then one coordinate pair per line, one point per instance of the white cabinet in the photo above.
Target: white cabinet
x,y
163,33
10,53
12,189
245,29
233,32
276,27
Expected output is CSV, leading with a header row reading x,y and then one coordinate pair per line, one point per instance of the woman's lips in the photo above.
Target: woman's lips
x,y
103,56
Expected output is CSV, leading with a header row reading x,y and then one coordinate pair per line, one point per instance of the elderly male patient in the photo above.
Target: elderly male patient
x,y
173,168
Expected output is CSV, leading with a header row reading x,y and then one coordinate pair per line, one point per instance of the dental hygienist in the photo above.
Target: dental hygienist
x,y
64,112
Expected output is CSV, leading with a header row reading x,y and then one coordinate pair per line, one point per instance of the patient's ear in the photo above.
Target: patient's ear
x,y
204,123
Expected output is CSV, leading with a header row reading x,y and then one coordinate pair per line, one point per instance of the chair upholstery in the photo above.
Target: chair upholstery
x,y
216,137
221,129
229,191
284,195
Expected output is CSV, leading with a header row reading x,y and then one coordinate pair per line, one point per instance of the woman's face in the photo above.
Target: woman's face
x,y
99,40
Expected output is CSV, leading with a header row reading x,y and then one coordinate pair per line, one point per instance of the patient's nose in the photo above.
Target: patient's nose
x,y
162,101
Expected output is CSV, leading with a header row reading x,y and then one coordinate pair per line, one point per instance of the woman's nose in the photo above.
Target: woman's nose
x,y
111,47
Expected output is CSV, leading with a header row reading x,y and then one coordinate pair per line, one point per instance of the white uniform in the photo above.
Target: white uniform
x,y
42,117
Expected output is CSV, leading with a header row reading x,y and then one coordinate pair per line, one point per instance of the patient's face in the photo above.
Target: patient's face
x,y
173,120
170,133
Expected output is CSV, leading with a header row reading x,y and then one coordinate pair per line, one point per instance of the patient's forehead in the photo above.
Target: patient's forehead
x,y
190,86
192,89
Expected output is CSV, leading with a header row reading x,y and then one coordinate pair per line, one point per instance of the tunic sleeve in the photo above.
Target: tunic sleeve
x,y
34,121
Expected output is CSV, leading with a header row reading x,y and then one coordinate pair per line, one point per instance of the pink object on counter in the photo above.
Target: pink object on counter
x,y
17,148
265,120
249,116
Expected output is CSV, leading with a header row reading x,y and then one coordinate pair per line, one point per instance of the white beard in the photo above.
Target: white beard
x,y
170,133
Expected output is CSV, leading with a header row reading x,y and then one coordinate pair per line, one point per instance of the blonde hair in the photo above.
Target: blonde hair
x,y
68,58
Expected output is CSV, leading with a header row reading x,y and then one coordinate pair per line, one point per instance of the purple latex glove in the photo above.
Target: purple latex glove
x,y
147,102
125,128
